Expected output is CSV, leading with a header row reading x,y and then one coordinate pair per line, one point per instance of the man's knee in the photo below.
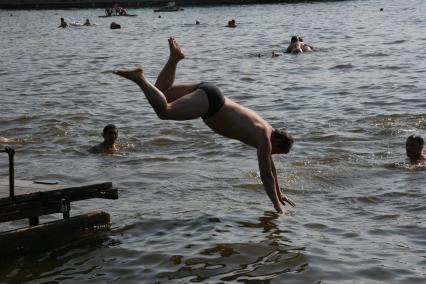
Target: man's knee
x,y
163,114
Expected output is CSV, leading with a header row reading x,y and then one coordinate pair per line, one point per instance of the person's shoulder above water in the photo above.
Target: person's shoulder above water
x,y
97,149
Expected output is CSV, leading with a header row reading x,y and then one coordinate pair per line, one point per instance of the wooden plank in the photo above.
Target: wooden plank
x,y
36,200
28,190
17,211
29,186
50,234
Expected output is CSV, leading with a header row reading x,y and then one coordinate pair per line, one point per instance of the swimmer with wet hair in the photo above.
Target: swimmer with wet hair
x,y
224,116
297,45
414,149
108,146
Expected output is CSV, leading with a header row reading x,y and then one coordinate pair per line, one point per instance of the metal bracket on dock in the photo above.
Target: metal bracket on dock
x,y
11,154
65,208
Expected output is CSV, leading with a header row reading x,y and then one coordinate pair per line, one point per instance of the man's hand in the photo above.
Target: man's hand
x,y
284,199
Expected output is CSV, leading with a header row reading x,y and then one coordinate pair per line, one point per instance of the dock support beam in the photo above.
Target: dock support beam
x,y
11,154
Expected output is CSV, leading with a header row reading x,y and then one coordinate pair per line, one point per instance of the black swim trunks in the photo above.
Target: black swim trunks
x,y
215,97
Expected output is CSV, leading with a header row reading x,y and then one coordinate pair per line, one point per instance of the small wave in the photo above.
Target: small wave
x,y
342,66
392,67
406,166
396,41
163,141
247,79
379,54
386,217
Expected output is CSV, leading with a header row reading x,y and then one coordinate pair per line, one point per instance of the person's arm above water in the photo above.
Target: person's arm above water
x,y
281,197
264,157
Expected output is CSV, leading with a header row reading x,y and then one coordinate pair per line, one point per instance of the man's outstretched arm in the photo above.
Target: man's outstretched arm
x,y
281,197
266,174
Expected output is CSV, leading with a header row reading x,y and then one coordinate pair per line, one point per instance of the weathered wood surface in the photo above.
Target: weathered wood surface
x,y
65,231
32,199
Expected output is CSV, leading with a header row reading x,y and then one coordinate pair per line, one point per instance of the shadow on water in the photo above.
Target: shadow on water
x,y
245,261
17,264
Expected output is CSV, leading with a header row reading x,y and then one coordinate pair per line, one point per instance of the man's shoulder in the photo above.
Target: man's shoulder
x,y
96,149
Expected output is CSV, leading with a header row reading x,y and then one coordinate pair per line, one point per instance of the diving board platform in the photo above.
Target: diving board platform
x,y
30,199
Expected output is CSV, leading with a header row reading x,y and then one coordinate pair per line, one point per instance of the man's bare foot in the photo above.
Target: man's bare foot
x,y
134,74
175,50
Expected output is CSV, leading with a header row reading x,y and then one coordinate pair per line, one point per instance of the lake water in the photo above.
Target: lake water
x,y
192,207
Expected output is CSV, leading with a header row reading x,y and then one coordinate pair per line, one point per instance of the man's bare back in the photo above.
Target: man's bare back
x,y
240,123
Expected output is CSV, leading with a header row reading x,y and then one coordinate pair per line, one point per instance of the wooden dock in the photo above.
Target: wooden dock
x,y
30,199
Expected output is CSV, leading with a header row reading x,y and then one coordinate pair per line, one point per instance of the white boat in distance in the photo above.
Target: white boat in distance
x,y
171,7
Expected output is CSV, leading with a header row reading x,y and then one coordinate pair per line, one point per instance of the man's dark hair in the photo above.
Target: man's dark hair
x,y
417,138
285,138
294,39
108,127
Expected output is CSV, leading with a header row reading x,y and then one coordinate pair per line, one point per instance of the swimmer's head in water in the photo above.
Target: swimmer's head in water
x,y
294,39
282,141
414,145
110,133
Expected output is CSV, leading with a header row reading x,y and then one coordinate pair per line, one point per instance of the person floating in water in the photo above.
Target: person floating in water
x,y
414,149
108,146
63,24
222,115
298,46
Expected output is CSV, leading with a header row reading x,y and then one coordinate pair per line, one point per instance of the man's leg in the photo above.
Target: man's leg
x,y
167,75
190,106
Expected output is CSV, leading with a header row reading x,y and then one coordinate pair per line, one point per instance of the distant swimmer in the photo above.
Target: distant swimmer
x,y
231,24
222,115
114,26
87,23
108,11
414,149
197,22
3,140
108,146
63,24
298,46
